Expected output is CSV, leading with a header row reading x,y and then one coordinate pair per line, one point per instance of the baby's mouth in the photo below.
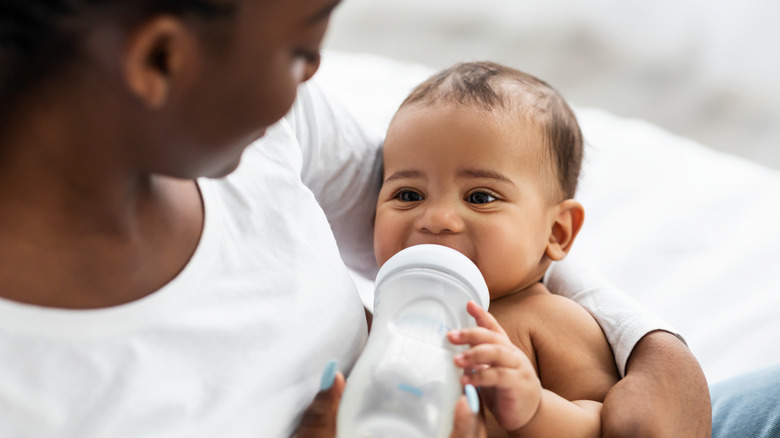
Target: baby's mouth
x,y
443,242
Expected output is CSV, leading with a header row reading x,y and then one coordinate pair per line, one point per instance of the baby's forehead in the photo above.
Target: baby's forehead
x,y
507,115
512,130
510,120
524,134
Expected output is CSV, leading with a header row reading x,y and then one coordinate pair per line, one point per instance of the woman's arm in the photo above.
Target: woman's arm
x,y
664,393
342,166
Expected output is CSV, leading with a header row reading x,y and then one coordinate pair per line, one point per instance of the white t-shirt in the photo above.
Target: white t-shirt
x,y
235,345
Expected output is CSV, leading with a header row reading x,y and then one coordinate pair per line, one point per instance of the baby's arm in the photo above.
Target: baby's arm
x,y
514,393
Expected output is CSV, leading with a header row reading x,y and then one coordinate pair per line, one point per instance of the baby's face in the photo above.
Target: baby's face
x,y
468,179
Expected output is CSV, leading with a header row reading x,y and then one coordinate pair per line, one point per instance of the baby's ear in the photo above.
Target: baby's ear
x,y
567,218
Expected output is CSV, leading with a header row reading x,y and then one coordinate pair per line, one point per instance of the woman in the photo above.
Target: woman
x,y
140,298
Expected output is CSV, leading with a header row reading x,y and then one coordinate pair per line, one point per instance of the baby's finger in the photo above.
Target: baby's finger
x,y
500,378
492,355
483,318
477,336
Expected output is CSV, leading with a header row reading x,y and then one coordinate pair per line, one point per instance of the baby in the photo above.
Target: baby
x,y
484,159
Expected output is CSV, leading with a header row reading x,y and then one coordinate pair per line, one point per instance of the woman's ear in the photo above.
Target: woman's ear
x,y
162,55
567,219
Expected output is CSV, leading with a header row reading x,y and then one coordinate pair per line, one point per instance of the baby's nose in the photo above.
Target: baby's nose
x,y
440,218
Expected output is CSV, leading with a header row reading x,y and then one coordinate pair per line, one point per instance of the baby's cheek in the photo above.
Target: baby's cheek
x,y
503,275
379,250
383,241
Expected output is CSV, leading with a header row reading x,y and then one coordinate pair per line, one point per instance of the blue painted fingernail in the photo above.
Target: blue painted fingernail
x,y
472,398
329,375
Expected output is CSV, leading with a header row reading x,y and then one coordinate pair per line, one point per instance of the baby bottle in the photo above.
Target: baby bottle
x,y
405,384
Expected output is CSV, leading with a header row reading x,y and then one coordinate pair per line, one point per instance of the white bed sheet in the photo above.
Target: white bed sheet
x,y
691,233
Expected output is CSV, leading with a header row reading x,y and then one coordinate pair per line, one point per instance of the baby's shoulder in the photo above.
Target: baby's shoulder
x,y
533,305
541,319
522,315
564,340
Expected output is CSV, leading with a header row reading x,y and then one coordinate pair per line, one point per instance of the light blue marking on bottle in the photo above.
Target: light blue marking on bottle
x,y
410,389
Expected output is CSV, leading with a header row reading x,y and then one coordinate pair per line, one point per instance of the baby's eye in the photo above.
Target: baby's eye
x,y
480,198
408,196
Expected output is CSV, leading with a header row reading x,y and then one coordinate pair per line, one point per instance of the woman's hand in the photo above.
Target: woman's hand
x,y
469,423
511,389
319,419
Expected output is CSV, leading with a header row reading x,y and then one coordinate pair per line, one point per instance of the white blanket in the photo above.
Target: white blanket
x,y
691,233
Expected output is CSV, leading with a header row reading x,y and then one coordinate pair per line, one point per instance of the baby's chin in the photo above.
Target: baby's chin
x,y
503,290
499,294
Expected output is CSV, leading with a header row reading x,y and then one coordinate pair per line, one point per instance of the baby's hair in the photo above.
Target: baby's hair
x,y
38,38
492,87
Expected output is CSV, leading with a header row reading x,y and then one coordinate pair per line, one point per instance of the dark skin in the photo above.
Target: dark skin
x,y
663,394
103,190
98,203
82,215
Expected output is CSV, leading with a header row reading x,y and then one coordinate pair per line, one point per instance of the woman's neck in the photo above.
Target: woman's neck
x,y
68,165
79,228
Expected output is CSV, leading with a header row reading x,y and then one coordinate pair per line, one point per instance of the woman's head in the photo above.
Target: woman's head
x,y
186,84
40,37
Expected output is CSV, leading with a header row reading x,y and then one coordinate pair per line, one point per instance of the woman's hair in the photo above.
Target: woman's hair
x,y
491,87
38,38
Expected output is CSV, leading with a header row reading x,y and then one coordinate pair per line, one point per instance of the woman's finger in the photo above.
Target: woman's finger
x,y
319,419
469,423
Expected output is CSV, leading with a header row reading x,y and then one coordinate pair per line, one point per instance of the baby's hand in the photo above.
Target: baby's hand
x,y
505,376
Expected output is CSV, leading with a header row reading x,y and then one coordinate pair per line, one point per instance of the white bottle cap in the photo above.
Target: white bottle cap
x,y
440,258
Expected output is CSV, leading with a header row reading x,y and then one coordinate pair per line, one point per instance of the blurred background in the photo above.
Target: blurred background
x,y
708,70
